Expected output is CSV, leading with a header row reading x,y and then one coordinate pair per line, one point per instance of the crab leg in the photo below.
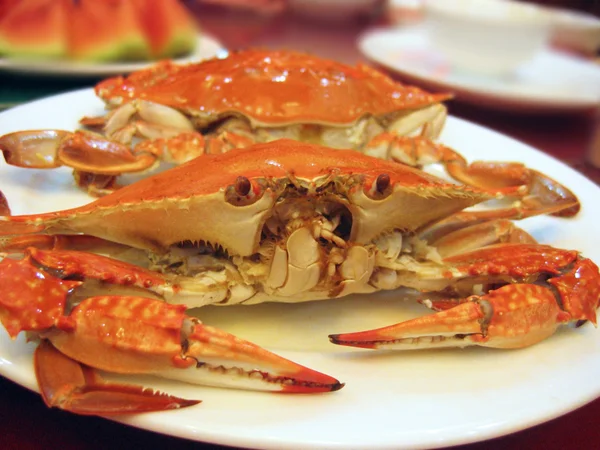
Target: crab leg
x,y
553,287
68,385
427,122
480,235
457,222
132,335
80,242
84,151
470,230
143,335
97,161
193,291
508,179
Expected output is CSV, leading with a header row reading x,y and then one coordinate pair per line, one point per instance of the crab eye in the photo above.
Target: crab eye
x,y
381,187
244,192
242,186
382,182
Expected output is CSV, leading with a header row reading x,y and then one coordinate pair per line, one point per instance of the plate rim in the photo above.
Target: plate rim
x,y
475,95
207,46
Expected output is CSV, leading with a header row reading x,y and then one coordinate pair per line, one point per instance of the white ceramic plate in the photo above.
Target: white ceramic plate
x,y
551,82
391,400
207,47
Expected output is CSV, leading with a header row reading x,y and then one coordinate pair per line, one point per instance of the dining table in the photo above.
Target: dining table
x,y
25,421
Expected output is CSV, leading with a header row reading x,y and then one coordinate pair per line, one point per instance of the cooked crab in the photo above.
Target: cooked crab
x,y
251,96
182,111
287,222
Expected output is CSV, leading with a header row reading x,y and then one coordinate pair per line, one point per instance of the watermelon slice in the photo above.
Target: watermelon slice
x,y
106,30
6,6
96,30
169,27
33,29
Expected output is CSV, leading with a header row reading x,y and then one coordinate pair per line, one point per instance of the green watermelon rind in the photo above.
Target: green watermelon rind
x,y
182,43
134,48
28,43
57,50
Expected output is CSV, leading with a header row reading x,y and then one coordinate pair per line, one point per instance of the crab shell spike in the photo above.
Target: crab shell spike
x,y
142,335
338,93
191,199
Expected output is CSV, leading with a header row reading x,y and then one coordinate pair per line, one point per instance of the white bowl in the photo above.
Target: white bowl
x,y
576,31
492,37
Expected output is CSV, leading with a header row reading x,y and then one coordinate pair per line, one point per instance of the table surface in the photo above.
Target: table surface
x,y
26,423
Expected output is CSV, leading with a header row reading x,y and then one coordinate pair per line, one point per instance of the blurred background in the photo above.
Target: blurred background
x,y
278,22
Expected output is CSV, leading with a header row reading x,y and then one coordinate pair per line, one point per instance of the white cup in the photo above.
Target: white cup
x,y
491,37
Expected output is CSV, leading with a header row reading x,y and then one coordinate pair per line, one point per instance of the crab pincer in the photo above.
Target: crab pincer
x,y
129,335
549,287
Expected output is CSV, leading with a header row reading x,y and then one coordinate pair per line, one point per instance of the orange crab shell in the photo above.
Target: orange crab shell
x,y
188,202
272,88
211,173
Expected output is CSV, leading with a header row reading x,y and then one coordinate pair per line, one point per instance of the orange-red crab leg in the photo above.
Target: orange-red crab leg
x,y
98,161
81,242
32,300
505,178
47,149
129,334
478,235
470,230
551,287
68,385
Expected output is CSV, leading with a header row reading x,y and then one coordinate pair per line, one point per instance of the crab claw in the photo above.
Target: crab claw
x,y
510,317
37,149
131,335
81,150
223,360
513,316
147,336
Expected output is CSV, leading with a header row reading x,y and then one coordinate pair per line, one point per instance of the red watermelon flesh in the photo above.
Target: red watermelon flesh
x,y
96,30
168,25
106,30
6,5
33,29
